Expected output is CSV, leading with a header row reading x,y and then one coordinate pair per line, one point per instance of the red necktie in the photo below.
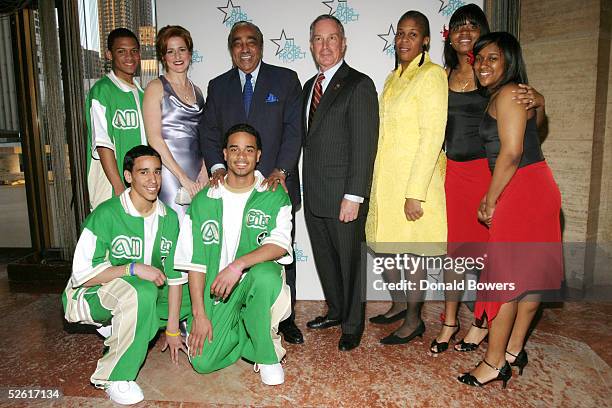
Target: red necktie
x,y
316,97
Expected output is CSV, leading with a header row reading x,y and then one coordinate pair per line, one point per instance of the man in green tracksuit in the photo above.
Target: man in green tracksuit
x,y
233,241
114,118
117,277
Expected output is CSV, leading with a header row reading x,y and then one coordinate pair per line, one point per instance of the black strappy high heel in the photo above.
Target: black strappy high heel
x,y
504,375
441,347
464,347
520,360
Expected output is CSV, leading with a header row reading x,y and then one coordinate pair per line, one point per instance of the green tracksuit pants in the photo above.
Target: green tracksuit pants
x,y
246,323
137,309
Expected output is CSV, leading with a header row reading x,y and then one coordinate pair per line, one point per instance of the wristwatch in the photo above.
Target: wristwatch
x,y
285,172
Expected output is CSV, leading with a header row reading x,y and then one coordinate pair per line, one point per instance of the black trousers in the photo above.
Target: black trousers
x,y
336,248
290,274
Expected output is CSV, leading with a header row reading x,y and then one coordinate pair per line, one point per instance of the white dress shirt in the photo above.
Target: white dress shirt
x,y
242,75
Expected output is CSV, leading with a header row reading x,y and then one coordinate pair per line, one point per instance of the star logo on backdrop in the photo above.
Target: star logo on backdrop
x,y
388,38
341,10
443,5
232,14
448,7
281,42
228,10
287,50
333,5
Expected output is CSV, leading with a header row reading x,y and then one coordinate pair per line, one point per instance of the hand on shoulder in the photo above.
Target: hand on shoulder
x,y
504,108
504,99
508,90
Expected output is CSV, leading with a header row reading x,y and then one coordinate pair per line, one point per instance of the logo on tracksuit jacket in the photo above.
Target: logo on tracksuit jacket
x,y
126,247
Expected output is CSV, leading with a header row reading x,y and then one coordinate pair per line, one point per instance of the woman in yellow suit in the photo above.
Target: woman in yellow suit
x,y
407,212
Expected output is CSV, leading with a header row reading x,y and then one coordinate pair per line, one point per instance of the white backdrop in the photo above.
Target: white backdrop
x,y
369,27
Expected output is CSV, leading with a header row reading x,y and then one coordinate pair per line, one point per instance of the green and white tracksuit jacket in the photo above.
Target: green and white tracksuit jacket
x,y
115,234
114,120
246,324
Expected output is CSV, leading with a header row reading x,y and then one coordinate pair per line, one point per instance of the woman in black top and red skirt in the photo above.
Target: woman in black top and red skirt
x,y
521,207
467,171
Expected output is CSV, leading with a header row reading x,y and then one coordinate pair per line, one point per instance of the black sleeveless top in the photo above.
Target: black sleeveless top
x,y
465,110
532,151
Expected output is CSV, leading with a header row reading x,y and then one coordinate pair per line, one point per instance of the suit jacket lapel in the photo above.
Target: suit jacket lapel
x,y
235,93
329,96
305,105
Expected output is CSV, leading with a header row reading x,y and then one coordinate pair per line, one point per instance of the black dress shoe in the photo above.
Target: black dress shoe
x,y
291,333
349,341
322,322
382,319
395,339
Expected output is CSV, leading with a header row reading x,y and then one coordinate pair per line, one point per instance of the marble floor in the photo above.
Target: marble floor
x,y
569,364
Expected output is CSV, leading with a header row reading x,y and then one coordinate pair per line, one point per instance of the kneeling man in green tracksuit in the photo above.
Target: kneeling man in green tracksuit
x,y
233,242
123,275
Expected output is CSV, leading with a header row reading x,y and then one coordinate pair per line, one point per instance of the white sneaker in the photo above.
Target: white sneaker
x,y
105,331
271,374
124,392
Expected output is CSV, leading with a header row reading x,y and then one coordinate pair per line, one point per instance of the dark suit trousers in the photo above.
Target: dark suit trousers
x,y
336,248
290,273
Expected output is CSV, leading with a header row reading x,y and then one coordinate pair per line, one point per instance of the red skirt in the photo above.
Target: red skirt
x,y
524,253
465,186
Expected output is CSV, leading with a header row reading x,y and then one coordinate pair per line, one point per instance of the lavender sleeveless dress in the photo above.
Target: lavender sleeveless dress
x,y
180,132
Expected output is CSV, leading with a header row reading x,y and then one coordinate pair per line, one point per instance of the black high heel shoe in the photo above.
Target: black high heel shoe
x,y
464,347
520,360
382,319
441,347
504,375
395,339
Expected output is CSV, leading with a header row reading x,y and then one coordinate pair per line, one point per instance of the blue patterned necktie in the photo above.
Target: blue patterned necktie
x,y
247,93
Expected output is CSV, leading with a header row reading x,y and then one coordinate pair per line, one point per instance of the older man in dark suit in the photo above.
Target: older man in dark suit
x,y
341,125
268,98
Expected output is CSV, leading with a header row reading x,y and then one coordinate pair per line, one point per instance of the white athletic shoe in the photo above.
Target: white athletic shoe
x,y
124,392
271,374
105,331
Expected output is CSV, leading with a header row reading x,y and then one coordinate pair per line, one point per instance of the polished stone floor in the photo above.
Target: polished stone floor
x,y
569,364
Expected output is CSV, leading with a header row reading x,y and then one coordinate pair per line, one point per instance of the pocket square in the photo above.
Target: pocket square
x,y
271,98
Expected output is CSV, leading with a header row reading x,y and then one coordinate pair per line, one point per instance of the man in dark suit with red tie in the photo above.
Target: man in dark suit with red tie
x,y
341,134
268,98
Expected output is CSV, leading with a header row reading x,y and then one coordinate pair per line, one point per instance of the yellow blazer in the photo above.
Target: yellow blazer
x,y
410,162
